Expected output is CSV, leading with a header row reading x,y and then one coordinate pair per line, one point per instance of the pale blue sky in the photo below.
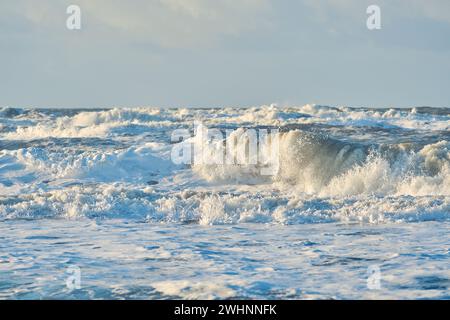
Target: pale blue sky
x,y
224,53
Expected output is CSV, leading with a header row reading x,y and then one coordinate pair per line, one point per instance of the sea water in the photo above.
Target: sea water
x,y
359,208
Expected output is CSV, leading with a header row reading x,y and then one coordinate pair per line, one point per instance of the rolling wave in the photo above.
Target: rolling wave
x,y
333,164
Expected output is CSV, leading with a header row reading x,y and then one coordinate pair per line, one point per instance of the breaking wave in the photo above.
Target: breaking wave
x,y
333,164
317,164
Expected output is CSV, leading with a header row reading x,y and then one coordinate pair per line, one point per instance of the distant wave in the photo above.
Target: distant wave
x,y
44,123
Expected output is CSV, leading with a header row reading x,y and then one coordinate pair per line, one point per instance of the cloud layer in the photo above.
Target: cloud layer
x,y
203,52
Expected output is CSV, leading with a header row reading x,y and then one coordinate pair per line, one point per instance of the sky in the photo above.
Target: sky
x,y
217,53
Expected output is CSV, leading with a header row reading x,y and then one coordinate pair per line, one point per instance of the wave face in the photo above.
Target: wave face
x,y
334,164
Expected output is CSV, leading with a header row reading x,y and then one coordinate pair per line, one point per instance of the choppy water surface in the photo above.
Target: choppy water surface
x,y
357,190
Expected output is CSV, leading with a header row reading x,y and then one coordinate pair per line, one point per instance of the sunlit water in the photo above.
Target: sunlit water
x,y
358,190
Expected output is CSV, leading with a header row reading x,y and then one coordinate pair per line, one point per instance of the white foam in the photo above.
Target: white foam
x,y
320,179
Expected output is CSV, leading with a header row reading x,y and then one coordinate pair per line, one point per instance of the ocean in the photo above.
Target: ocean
x,y
94,205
